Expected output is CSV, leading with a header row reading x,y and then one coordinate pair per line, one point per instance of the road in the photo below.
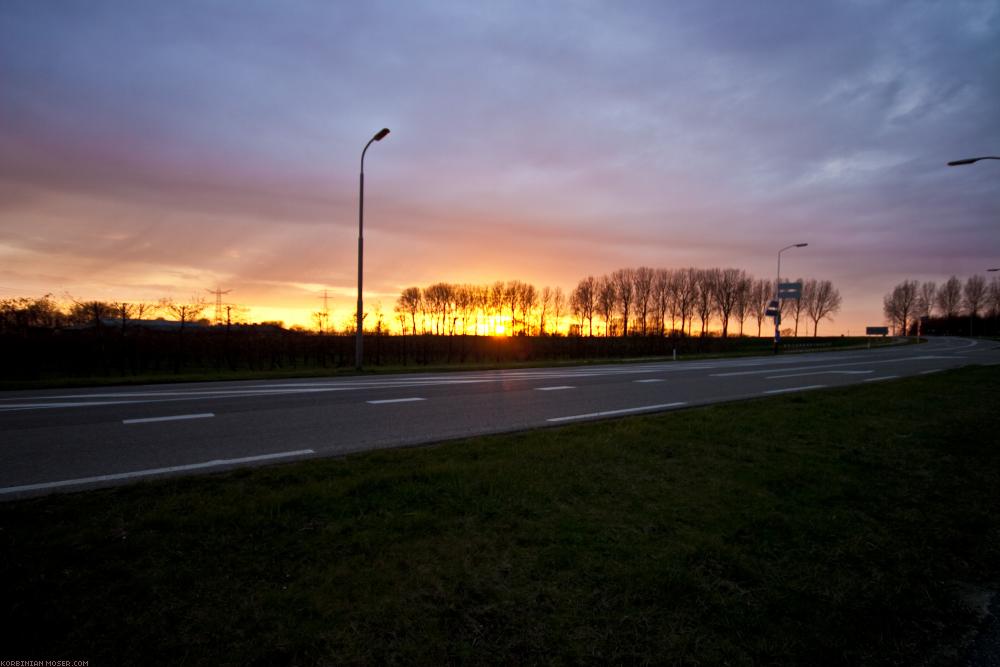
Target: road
x,y
64,440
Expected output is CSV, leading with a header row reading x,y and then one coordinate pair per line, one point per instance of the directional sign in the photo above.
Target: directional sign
x,y
772,309
790,291
877,331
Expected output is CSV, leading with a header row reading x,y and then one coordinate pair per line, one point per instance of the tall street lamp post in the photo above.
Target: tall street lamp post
x,y
777,282
359,339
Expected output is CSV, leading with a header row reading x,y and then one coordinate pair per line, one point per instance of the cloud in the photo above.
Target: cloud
x,y
192,143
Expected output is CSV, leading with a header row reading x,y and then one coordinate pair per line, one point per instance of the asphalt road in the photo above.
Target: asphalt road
x,y
62,440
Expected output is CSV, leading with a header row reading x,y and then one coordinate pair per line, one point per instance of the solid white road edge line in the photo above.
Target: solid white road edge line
x,y
625,411
933,370
554,388
783,391
153,471
171,418
884,377
798,375
649,380
396,400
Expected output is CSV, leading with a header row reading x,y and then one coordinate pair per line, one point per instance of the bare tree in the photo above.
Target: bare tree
x,y
900,304
438,298
642,288
685,293
558,306
582,301
624,294
725,285
124,312
544,303
606,297
90,312
482,306
184,312
974,297
498,296
527,301
822,300
409,302
512,298
993,297
949,297
763,293
21,314
704,303
661,298
465,302
926,296
744,300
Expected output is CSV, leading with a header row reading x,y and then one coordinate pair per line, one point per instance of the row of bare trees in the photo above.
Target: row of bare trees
x,y
631,301
501,308
45,312
912,302
646,301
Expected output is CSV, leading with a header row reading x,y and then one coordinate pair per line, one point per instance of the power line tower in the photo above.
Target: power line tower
x,y
218,302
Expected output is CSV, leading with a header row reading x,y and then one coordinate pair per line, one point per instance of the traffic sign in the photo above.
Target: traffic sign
x,y
772,309
790,291
877,331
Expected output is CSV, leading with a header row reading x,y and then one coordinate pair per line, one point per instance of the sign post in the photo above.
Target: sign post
x,y
786,292
876,331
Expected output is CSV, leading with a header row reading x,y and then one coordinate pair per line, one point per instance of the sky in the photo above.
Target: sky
x,y
161,149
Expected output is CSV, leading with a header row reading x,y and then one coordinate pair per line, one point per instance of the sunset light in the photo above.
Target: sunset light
x,y
144,164
499,332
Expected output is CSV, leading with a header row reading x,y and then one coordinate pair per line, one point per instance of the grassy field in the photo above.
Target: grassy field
x,y
845,526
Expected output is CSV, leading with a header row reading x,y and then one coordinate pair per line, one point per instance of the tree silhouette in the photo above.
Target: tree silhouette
x,y
624,294
582,302
762,294
973,297
926,297
949,297
642,288
661,299
704,297
604,303
409,302
900,304
725,285
822,300
993,297
558,305
685,295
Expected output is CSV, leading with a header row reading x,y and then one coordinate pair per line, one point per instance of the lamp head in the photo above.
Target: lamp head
x,y
381,134
955,163
801,245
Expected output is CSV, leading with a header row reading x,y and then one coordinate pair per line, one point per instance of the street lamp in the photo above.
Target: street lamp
x,y
971,160
359,340
777,282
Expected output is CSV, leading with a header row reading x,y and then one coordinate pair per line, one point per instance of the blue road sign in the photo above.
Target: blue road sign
x,y
790,291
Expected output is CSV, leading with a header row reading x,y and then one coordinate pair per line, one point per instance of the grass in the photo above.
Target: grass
x,y
835,527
